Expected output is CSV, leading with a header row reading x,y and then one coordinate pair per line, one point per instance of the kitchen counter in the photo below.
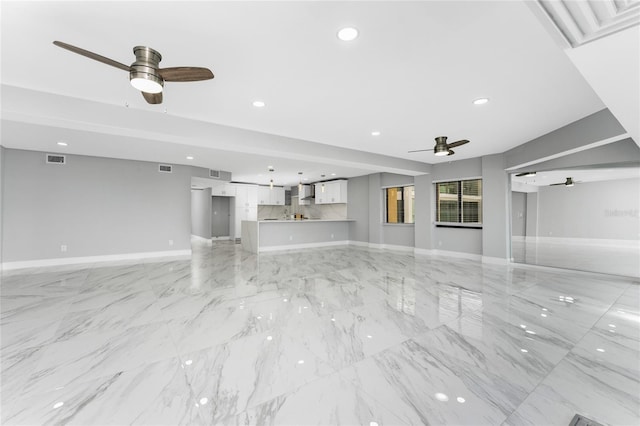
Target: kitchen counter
x,y
305,220
287,234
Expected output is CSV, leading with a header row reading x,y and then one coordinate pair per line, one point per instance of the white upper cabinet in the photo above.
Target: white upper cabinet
x,y
268,196
333,192
224,190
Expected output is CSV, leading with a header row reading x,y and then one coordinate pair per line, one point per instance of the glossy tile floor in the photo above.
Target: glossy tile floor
x,y
603,259
345,336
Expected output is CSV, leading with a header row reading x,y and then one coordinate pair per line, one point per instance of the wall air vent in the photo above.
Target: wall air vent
x,y
56,159
165,168
214,174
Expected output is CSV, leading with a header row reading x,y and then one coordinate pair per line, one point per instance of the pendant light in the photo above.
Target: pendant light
x,y
271,169
322,186
300,183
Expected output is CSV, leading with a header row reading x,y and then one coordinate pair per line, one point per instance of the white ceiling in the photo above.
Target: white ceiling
x,y
412,75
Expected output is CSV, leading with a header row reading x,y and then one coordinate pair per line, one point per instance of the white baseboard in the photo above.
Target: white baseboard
x,y
425,252
458,254
496,260
601,242
7,266
199,238
303,246
358,243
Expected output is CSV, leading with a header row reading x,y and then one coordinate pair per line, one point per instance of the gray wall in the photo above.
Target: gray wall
x,y
423,228
294,232
464,240
201,213
596,127
393,179
600,210
94,206
518,214
1,196
395,234
358,208
496,238
622,152
532,214
375,209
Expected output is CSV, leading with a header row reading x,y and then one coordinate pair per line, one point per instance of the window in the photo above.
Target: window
x,y
399,204
459,201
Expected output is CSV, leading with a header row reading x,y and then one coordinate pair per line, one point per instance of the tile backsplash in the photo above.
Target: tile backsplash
x,y
313,211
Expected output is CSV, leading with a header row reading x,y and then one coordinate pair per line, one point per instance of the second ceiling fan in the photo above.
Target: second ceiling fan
x,y
145,73
443,148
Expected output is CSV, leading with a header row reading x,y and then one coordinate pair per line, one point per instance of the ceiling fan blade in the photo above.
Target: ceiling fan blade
x,y
526,174
457,143
152,98
554,184
450,152
185,74
92,55
420,150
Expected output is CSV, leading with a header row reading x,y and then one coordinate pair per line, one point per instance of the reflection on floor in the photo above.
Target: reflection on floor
x,y
320,336
606,259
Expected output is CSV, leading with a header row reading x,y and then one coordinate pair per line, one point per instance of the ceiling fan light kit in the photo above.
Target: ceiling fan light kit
x,y
441,150
143,71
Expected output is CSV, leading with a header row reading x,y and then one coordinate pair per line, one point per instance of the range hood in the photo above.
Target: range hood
x,y
311,191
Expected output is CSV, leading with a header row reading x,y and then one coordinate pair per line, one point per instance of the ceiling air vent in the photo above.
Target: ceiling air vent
x,y
55,159
214,173
165,168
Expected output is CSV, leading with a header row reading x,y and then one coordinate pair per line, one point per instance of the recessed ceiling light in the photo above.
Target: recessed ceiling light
x,y
333,174
480,101
258,104
348,34
189,157
62,143
375,133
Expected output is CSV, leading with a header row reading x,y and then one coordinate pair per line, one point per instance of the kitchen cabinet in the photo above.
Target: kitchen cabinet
x,y
246,205
335,192
224,190
270,197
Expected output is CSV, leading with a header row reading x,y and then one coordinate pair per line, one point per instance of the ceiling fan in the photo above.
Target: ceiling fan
x,y
568,182
145,73
526,174
442,148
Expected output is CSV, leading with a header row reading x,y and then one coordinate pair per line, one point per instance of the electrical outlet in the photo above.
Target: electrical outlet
x,y
63,248
332,236
290,237
439,243
170,242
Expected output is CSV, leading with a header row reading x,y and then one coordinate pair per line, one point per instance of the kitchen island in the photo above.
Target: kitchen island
x,y
270,235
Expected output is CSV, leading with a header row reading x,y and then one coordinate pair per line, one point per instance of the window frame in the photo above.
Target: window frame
x,y
460,204
385,212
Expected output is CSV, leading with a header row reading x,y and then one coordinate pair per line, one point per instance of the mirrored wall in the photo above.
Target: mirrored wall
x,y
578,218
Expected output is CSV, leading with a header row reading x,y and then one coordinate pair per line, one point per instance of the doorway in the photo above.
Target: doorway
x,y
220,217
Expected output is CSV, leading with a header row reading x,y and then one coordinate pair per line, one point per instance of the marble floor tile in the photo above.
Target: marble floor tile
x,y
385,337
92,355
246,372
332,400
122,311
599,379
422,389
154,394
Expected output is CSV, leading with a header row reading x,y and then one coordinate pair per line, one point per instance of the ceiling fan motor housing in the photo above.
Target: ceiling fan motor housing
x,y
144,71
441,147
